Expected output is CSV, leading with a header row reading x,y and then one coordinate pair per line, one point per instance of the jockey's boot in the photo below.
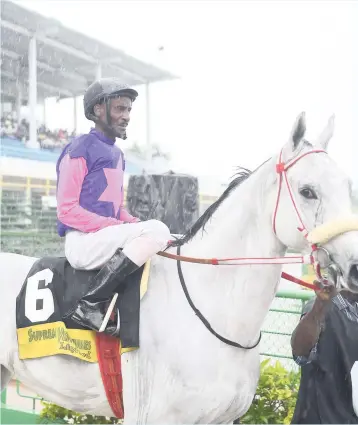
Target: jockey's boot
x,y
91,308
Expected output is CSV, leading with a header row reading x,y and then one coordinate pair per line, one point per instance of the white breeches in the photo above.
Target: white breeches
x,y
140,241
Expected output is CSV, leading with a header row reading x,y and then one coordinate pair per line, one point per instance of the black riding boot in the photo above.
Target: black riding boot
x,y
91,308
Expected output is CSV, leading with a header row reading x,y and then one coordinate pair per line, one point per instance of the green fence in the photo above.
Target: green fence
x,y
12,414
283,317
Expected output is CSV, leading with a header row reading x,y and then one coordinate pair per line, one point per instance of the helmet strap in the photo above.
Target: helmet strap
x,y
107,125
108,111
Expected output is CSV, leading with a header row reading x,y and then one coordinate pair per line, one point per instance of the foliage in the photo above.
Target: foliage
x,y
52,413
141,151
157,152
276,395
136,150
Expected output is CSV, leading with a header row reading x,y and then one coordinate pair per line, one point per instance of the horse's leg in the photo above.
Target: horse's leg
x,y
5,377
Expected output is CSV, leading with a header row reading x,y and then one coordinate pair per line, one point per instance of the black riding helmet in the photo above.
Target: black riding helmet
x,y
101,91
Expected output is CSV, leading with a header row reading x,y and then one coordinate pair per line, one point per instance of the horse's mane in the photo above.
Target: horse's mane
x,y
239,177
242,175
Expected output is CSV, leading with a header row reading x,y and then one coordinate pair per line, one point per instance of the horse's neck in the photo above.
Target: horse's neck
x,y
237,298
242,225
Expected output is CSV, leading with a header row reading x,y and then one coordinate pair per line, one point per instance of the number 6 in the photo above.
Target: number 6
x,y
33,293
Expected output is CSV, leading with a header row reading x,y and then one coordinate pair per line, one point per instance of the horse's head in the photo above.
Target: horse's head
x,y
314,205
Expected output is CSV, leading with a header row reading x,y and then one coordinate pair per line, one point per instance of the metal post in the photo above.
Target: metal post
x,y
148,142
75,114
28,191
99,71
3,396
33,90
18,102
44,112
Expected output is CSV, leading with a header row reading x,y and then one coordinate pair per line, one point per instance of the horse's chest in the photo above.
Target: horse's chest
x,y
189,392
216,402
225,398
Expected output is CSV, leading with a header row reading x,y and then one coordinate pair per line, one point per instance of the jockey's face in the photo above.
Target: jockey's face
x,y
120,109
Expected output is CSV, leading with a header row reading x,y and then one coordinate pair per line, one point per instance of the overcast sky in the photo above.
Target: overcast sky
x,y
247,70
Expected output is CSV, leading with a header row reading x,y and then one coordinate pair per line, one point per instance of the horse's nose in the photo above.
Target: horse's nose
x,y
352,278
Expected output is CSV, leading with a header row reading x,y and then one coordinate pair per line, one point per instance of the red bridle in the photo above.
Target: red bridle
x,y
281,169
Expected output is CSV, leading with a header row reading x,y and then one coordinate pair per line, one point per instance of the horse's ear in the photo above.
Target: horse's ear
x,y
298,130
326,135
296,137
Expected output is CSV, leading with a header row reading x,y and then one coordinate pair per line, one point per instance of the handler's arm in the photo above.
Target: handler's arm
x,y
307,332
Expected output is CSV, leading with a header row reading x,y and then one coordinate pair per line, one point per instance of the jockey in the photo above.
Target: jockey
x,y
90,209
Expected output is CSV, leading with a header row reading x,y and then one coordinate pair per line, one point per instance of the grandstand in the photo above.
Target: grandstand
x,y
41,58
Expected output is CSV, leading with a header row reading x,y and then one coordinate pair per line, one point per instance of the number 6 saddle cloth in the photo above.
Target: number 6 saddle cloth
x,y
51,288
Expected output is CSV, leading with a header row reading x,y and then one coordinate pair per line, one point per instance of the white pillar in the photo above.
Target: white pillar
x,y
32,91
75,114
148,142
44,112
99,71
18,102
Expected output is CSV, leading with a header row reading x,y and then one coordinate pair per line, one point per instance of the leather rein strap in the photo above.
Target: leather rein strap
x,y
219,262
201,317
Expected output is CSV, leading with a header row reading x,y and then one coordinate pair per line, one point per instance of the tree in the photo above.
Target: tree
x,y
158,153
140,151
136,150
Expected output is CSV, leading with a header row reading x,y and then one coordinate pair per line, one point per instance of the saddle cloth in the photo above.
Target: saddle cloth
x,y
51,288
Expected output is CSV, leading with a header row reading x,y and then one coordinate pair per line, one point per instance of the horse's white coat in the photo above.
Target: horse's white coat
x,y
182,373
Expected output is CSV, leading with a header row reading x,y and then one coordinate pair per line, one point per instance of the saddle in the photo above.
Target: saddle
x,y
53,287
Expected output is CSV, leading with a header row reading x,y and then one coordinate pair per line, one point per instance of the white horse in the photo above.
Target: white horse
x,y
182,373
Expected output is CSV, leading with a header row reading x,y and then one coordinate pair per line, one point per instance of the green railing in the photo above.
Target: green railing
x,y
283,317
13,415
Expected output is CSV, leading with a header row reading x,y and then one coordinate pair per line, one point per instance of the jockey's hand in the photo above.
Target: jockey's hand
x,y
325,292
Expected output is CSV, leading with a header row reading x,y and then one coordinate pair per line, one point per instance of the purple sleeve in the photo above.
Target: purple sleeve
x,y
69,212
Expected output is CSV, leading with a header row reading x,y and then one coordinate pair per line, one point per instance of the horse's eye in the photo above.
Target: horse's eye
x,y
308,193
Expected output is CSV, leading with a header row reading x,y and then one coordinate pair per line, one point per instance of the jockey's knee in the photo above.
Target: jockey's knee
x,y
75,261
77,257
158,231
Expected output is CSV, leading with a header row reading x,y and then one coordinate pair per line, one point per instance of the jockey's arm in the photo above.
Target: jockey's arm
x,y
126,217
69,212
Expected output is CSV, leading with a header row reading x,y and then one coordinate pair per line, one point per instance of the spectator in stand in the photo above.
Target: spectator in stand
x,y
47,139
22,131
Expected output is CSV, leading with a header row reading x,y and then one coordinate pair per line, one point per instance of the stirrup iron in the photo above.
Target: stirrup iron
x,y
108,314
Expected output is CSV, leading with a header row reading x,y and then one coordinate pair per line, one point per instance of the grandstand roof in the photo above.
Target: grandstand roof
x,y
67,60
